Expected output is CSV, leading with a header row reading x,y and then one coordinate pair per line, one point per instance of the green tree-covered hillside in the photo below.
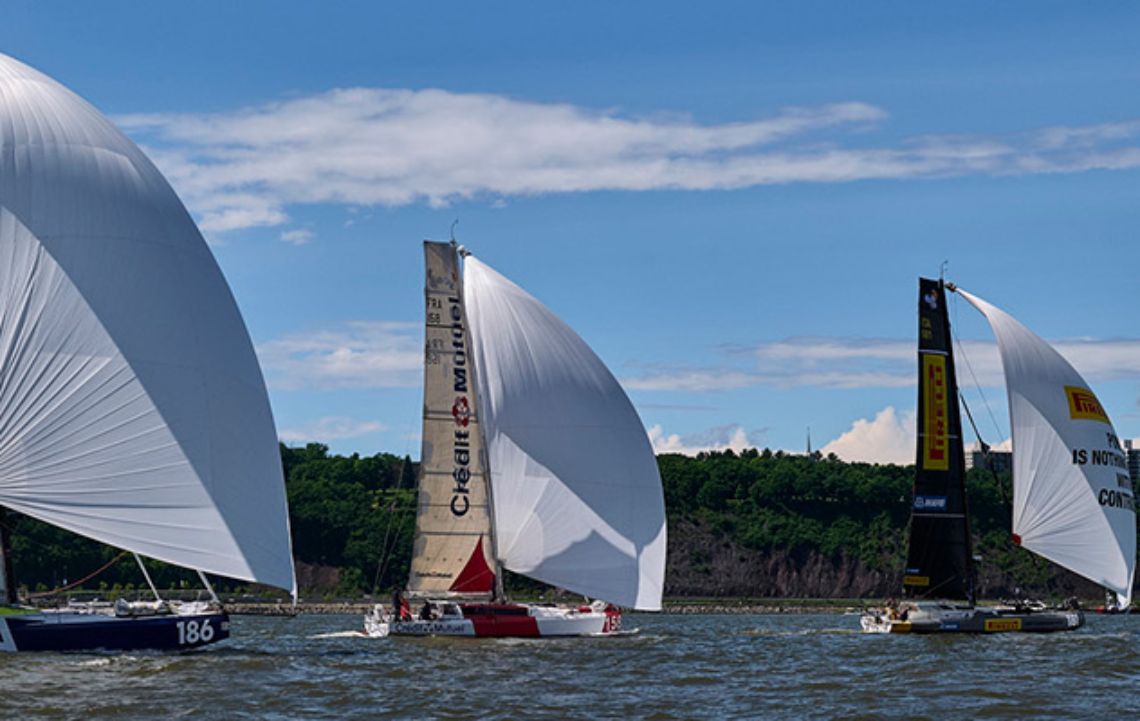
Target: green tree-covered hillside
x,y
756,523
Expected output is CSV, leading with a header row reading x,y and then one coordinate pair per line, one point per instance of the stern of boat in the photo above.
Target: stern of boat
x,y
377,622
878,621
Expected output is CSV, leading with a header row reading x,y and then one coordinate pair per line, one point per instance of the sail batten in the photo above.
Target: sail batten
x,y
1073,497
577,500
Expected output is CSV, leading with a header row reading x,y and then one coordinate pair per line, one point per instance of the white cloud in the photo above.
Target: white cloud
x,y
298,236
714,439
863,362
1103,360
695,380
1006,445
330,428
873,363
357,354
373,146
888,438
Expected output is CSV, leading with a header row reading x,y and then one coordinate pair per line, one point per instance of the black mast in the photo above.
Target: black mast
x,y
9,587
939,560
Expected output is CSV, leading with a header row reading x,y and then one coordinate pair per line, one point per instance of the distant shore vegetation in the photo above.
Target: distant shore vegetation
x,y
730,513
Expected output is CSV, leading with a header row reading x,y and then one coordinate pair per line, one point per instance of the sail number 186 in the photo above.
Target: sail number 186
x,y
192,632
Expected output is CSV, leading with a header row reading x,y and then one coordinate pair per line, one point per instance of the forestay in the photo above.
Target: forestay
x,y
132,408
576,493
1072,498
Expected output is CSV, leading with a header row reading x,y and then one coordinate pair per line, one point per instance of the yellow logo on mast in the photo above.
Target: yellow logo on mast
x,y
936,416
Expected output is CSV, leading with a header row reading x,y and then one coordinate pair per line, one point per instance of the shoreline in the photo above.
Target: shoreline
x,y
702,606
247,606
672,607
750,606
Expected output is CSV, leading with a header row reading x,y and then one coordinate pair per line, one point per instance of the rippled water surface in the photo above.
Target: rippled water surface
x,y
677,667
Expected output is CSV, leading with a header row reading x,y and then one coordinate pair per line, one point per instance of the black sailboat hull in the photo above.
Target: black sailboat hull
x,y
944,618
78,631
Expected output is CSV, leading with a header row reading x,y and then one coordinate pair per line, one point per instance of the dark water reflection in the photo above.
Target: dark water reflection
x,y
678,667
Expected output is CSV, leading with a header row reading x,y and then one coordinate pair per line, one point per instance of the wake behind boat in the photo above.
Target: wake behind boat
x,y
1075,513
534,460
132,408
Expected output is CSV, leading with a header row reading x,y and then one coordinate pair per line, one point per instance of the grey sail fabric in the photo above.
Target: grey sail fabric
x,y
576,493
453,523
132,408
1072,496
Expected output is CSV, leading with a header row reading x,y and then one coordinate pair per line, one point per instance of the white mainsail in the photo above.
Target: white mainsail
x,y
576,492
132,407
1072,496
451,552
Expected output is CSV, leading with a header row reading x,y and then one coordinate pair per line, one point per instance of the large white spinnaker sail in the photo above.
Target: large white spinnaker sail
x,y
576,492
1072,496
132,407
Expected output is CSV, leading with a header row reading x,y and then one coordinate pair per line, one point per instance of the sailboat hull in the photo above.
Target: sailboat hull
x,y
502,620
946,618
92,631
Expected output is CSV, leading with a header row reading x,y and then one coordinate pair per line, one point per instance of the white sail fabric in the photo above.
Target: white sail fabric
x,y
132,408
1072,496
576,492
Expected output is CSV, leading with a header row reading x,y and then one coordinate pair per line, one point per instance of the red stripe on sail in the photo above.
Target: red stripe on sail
x,y
476,576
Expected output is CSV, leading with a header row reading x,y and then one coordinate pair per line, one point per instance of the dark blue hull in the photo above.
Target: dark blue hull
x,y
67,631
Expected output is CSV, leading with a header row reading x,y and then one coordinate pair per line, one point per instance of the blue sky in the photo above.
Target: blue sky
x,y
730,204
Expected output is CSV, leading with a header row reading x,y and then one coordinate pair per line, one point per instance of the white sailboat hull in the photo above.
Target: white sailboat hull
x,y
500,620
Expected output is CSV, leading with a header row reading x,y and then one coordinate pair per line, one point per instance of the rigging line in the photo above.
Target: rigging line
x,y
146,575
210,588
974,378
382,562
927,593
987,457
970,416
386,549
81,581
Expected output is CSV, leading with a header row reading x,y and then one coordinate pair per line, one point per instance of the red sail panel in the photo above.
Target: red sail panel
x,y
476,576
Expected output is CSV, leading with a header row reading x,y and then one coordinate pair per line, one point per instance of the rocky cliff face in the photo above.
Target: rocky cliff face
x,y
315,578
704,563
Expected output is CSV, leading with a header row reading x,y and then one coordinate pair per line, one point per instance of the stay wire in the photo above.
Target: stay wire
x,y
81,581
977,385
67,587
388,544
985,447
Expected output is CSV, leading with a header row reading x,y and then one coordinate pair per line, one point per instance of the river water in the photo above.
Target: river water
x,y
677,667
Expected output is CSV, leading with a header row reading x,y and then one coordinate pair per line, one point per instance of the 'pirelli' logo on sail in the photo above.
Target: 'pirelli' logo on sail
x,y
1083,405
997,625
936,418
